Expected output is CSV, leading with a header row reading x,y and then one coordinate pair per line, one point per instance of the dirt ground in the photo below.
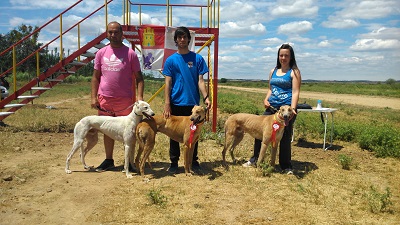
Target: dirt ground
x,y
35,189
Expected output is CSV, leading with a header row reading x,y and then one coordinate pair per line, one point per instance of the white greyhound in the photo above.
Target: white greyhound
x,y
122,128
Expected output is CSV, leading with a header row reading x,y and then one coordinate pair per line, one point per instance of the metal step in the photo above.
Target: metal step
x,y
77,63
89,54
55,80
40,88
100,45
68,71
6,113
27,96
14,105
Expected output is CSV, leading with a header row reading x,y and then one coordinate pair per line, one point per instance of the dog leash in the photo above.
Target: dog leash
x,y
193,128
112,113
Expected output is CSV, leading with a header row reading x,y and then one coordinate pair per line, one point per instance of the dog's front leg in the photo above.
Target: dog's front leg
x,y
263,150
128,153
132,154
188,160
273,156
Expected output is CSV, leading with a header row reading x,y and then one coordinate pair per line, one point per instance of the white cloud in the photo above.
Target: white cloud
x,y
369,9
17,21
229,59
294,8
340,23
270,50
375,44
147,19
297,27
237,10
383,33
353,10
296,38
242,48
380,39
324,44
48,4
232,29
271,41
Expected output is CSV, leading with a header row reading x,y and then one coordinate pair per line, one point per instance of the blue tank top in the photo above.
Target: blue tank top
x,y
281,87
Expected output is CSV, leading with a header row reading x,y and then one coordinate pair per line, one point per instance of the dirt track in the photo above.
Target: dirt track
x,y
381,102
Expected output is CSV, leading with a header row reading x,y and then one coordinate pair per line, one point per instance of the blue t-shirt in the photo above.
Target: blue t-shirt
x,y
185,71
281,87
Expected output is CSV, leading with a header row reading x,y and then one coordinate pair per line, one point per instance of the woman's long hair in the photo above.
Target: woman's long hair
x,y
292,62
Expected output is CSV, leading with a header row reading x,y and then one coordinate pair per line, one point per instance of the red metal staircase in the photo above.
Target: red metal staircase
x,y
70,64
51,76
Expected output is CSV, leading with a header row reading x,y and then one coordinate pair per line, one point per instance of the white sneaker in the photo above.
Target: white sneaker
x,y
248,164
288,171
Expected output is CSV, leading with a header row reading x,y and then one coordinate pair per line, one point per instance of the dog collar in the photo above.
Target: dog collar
x,y
279,119
200,121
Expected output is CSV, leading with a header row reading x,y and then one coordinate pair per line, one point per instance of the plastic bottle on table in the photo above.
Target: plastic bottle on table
x,y
319,104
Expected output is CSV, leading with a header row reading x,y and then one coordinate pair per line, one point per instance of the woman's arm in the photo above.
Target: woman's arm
x,y
296,83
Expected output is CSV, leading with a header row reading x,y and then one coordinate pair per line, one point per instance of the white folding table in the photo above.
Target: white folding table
x,y
325,112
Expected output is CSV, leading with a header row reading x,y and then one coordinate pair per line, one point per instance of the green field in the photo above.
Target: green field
x,y
373,129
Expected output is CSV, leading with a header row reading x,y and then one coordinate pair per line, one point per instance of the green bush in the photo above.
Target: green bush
x,y
383,140
346,131
379,202
157,198
238,103
345,161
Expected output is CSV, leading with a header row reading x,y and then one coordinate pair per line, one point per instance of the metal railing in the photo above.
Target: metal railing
x,y
36,52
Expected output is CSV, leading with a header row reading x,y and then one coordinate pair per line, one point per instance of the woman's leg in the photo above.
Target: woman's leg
x,y
285,148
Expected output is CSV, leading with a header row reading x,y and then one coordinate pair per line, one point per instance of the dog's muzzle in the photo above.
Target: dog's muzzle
x,y
196,120
147,115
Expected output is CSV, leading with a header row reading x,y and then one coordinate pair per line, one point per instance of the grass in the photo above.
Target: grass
x,y
379,202
387,89
345,161
374,129
320,192
157,198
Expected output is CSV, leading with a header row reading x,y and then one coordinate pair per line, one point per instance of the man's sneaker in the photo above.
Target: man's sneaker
x,y
131,168
287,171
105,165
248,164
173,168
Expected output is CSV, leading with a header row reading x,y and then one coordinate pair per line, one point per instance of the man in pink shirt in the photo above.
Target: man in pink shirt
x,y
115,67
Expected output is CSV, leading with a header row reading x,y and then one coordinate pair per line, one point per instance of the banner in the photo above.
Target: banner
x,y
157,43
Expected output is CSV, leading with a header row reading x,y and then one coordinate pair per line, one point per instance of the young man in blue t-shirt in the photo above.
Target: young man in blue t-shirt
x,y
184,81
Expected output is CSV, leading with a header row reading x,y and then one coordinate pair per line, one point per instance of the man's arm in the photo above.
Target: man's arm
x,y
139,85
95,88
203,90
167,97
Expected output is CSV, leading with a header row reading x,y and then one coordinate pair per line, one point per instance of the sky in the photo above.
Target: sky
x,y
343,40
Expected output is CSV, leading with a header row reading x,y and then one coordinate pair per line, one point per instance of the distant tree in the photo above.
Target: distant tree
x,y
27,47
6,59
390,81
223,80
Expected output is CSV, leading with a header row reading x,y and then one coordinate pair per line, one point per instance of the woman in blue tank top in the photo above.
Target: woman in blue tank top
x,y
284,89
